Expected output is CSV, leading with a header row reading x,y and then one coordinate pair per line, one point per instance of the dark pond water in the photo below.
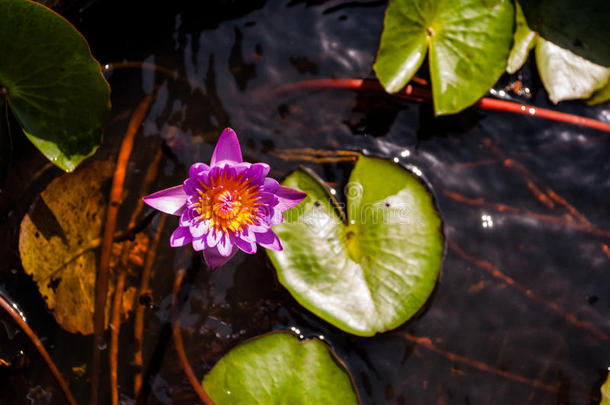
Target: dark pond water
x,y
521,313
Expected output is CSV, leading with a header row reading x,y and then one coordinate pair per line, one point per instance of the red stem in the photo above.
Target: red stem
x,y
9,309
103,274
524,109
414,93
183,359
409,92
115,325
118,294
138,333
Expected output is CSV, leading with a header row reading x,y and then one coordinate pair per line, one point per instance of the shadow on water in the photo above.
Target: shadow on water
x,y
521,313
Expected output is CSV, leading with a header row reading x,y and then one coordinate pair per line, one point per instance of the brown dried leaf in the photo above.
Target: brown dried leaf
x,y
59,240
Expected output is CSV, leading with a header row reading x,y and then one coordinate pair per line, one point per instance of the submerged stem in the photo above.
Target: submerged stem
x,y
17,317
139,316
115,326
115,330
186,367
101,292
555,389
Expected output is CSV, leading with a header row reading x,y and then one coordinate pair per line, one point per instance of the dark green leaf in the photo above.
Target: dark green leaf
x,y
55,87
567,76
469,42
580,26
375,273
5,142
279,369
524,41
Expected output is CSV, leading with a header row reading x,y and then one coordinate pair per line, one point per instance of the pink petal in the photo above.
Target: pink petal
x,y
229,172
214,259
241,168
270,185
268,199
214,173
197,168
247,234
213,237
227,148
260,228
199,244
248,247
180,237
191,187
263,222
277,217
257,173
171,200
198,228
186,218
225,244
289,197
269,240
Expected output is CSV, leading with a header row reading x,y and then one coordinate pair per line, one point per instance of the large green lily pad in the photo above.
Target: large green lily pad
x,y
374,271
469,42
59,240
279,369
579,26
53,85
567,76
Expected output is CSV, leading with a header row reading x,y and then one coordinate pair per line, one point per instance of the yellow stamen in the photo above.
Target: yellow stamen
x,y
230,203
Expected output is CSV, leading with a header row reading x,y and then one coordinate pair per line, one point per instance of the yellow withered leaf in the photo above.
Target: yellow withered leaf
x,y
59,240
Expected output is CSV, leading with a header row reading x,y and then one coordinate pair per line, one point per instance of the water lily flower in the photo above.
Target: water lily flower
x,y
227,206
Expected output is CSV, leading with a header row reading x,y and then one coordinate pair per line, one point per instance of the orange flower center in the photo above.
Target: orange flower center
x,y
230,203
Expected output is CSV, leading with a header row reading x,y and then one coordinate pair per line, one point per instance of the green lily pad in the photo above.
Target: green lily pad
x,y
605,390
469,43
373,271
567,76
279,369
524,41
579,26
53,85
58,245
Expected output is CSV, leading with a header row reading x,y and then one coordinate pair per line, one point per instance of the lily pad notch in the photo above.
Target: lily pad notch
x,y
372,268
51,83
467,43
